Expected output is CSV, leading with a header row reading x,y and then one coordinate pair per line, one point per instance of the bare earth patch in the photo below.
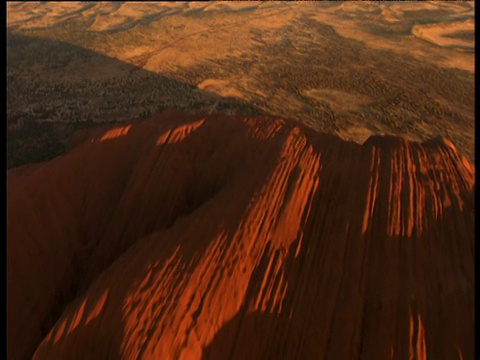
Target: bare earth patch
x,y
339,101
220,87
350,68
441,34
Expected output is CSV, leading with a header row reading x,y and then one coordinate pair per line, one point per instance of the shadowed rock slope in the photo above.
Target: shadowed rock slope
x,y
185,237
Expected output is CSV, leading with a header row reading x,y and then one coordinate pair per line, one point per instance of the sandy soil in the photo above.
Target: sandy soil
x,y
111,17
439,33
340,101
347,20
408,58
220,87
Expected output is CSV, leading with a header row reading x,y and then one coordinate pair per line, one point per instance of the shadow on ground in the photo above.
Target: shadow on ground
x,y
55,88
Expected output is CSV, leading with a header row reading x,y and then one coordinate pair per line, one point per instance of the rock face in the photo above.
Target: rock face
x,y
185,237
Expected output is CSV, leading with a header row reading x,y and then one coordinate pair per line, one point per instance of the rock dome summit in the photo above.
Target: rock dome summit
x,y
241,237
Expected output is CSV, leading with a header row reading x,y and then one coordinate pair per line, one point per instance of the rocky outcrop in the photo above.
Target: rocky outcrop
x,y
185,237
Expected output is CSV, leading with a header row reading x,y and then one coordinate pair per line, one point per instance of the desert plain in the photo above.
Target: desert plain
x,y
349,68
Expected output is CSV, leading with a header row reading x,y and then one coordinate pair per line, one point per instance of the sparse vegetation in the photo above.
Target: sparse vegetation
x,y
54,80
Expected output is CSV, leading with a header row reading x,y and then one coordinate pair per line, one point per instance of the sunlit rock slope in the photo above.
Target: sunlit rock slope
x,y
190,237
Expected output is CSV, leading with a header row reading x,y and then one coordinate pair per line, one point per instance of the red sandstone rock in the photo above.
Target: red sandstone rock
x,y
184,237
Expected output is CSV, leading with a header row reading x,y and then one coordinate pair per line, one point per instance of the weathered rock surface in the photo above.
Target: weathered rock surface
x,y
184,237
